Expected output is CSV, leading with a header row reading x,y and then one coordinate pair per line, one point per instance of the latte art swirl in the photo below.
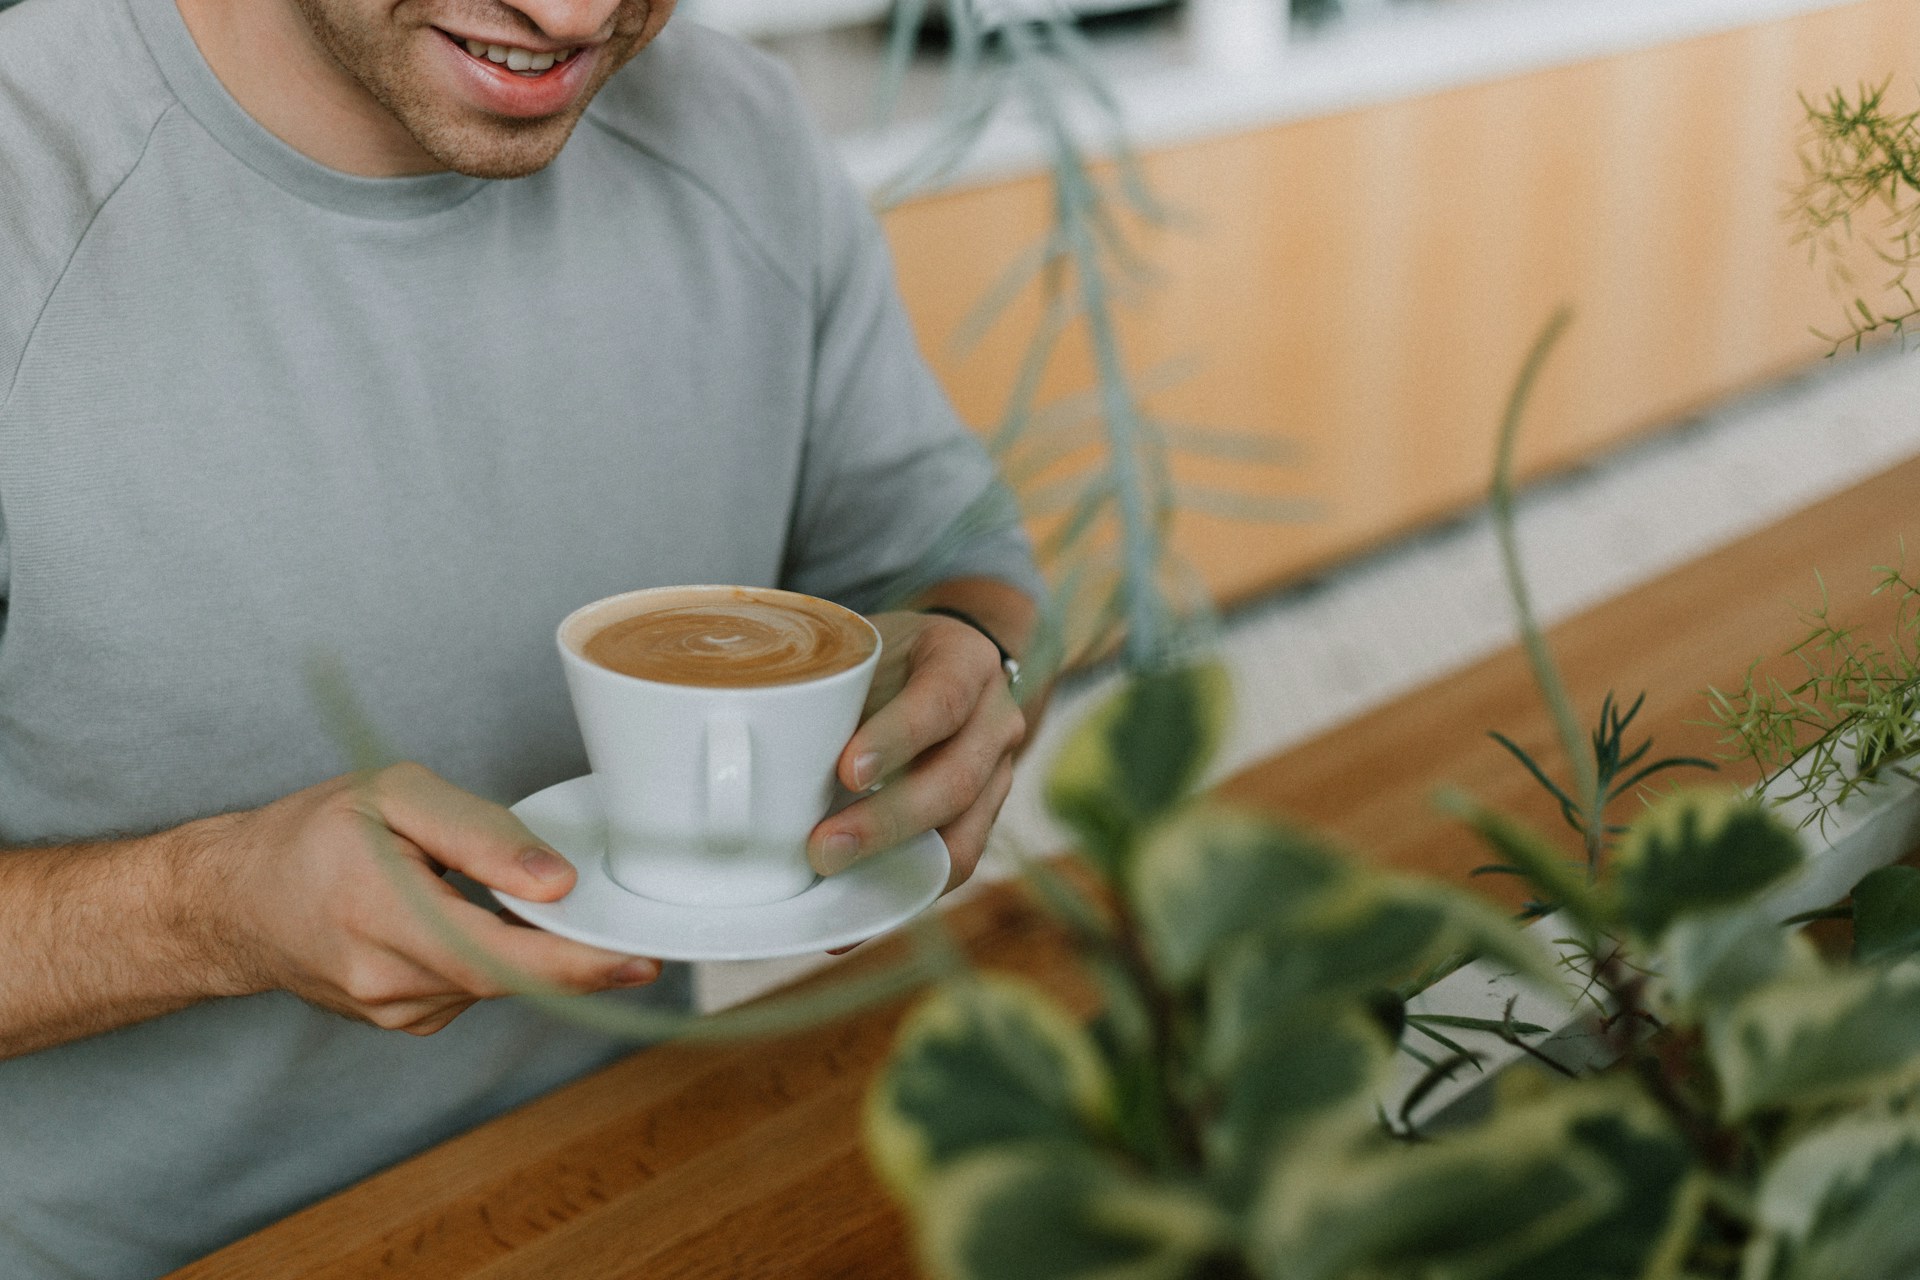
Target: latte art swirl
x,y
735,643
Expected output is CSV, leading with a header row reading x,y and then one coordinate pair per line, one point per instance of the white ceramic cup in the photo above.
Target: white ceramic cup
x,y
710,792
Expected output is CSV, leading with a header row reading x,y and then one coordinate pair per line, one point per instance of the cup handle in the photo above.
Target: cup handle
x,y
729,777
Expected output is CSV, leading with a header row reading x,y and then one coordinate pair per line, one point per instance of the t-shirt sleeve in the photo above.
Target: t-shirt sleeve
x,y
895,492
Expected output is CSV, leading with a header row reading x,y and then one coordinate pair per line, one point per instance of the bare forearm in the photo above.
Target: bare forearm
x,y
316,894
98,936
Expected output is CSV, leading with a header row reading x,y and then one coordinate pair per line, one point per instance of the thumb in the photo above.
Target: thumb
x,y
461,831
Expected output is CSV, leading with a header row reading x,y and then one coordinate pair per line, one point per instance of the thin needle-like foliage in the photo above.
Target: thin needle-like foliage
x,y
1095,467
1861,184
1852,716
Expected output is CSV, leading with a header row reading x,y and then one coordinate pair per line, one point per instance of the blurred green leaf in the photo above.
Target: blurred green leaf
x,y
1363,935
1258,508
1839,1205
1694,851
1124,1032
1137,757
1061,1212
1886,916
1212,873
1467,1207
1290,1076
1820,1038
1649,1163
1233,446
1710,959
982,1061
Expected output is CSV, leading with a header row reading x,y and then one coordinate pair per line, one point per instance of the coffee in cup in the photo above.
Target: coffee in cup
x,y
740,639
713,717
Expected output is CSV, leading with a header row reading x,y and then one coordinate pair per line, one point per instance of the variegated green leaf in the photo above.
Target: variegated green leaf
x,y
1210,874
1060,1212
1696,851
982,1061
1290,1076
1136,757
1710,959
1886,915
1291,973
1820,1038
1649,1162
1839,1205
1467,1207
1367,934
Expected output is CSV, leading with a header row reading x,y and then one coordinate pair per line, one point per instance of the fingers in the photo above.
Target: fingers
x,y
952,669
966,836
549,959
942,787
421,986
459,830
510,957
405,973
436,1020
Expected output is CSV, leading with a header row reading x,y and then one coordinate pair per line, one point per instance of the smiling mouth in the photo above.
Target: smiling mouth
x,y
527,63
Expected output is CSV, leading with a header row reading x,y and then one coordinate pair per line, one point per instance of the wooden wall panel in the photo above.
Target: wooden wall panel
x,y
1365,284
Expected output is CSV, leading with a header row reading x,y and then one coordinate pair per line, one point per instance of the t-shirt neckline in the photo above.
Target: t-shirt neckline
x,y
200,91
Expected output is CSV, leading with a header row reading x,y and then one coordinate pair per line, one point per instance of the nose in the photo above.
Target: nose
x,y
570,21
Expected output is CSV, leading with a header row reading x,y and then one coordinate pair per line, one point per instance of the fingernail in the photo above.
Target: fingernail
x,y
864,769
544,864
636,973
837,853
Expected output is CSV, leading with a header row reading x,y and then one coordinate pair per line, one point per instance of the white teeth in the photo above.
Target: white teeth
x,y
512,58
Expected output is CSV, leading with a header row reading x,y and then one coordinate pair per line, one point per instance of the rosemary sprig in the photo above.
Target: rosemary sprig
x,y
1596,782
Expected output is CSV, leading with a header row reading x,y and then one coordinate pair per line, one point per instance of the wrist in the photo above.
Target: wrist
x,y
1009,663
191,869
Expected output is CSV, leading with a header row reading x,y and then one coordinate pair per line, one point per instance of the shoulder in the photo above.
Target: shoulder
x,y
691,72
79,98
729,119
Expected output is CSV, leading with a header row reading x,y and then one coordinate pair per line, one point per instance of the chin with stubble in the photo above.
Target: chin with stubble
x,y
487,89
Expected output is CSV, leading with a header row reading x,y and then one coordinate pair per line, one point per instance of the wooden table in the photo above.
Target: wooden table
x,y
740,1161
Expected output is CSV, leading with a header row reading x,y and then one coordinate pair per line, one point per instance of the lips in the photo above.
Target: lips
x,y
524,83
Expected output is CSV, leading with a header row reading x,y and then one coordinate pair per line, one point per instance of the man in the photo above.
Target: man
x,y
388,331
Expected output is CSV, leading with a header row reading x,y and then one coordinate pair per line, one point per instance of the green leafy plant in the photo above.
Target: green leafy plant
x,y
1861,164
1613,770
1851,718
1227,1111
1096,467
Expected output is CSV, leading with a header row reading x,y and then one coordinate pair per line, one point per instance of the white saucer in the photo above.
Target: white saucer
x,y
867,899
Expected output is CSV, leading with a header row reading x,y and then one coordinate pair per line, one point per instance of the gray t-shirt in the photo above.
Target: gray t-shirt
x,y
253,411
